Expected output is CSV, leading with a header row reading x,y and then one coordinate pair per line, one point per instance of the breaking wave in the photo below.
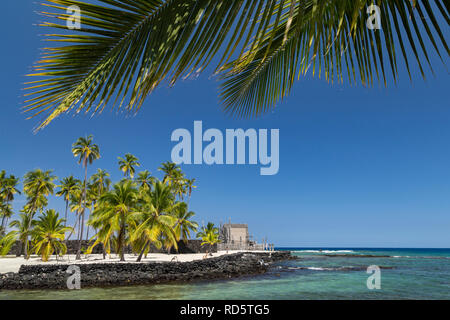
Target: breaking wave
x,y
344,268
325,251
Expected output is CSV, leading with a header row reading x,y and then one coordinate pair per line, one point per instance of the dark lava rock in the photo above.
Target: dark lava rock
x,y
120,274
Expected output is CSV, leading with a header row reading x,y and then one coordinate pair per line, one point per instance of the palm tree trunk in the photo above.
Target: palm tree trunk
x,y
20,249
120,244
73,229
25,253
90,213
27,256
3,222
83,209
78,257
32,213
65,215
142,252
27,249
79,225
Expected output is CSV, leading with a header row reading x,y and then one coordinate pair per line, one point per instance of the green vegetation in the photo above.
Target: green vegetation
x,y
138,212
209,236
48,235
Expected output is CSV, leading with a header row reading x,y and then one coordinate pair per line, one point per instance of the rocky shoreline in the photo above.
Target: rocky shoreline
x,y
126,274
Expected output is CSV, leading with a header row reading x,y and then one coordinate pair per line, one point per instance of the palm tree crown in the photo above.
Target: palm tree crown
x,y
67,187
48,235
8,189
184,225
209,235
37,186
101,181
127,165
116,208
156,218
145,180
24,226
86,150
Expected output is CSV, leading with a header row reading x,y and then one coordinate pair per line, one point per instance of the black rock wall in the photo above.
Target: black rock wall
x,y
125,274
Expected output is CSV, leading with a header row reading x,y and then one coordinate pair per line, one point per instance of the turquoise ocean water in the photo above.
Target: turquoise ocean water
x,y
326,273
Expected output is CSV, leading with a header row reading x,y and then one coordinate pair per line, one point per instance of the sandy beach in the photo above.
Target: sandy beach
x,y
13,263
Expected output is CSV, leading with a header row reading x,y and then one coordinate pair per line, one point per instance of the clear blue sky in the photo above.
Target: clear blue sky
x,y
358,167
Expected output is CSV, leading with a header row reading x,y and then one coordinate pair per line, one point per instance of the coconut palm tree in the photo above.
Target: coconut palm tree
x,y
104,234
190,186
209,236
171,172
145,180
8,189
92,197
6,212
24,225
2,202
175,178
76,205
37,185
116,208
7,242
87,151
257,47
100,180
154,229
184,225
67,187
156,219
127,165
48,235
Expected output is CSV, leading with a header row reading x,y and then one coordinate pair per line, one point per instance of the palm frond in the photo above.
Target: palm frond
x,y
126,48
330,39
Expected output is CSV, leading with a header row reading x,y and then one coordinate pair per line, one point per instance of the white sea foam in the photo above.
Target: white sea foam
x,y
422,257
310,268
325,251
324,269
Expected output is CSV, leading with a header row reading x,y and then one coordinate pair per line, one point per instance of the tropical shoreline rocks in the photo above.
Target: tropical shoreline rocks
x,y
125,274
